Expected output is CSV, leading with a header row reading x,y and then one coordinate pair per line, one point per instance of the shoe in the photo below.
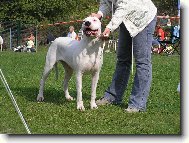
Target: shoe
x,y
132,110
105,100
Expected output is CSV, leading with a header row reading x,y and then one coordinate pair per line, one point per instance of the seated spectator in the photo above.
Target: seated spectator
x,y
30,46
160,33
72,34
31,37
159,36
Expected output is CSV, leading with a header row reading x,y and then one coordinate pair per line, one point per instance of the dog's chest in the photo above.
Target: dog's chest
x,y
91,60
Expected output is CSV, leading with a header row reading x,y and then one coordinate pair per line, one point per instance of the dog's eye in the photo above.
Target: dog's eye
x,y
94,19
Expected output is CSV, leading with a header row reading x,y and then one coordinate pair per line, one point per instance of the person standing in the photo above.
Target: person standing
x,y
137,20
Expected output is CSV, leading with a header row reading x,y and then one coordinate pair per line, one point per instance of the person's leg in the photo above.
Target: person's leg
x,y
121,75
142,52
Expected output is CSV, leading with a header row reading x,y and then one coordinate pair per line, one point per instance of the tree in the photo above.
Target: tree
x,y
62,10
167,6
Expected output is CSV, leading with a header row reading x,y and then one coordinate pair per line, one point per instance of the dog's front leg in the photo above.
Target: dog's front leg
x,y
95,77
67,77
79,92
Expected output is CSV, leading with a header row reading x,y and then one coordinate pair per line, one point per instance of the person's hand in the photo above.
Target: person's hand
x,y
96,15
105,35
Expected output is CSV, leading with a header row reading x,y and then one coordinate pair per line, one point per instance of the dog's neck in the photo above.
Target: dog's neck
x,y
91,40
92,44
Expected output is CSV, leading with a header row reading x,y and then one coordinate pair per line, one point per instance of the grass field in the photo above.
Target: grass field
x,y
58,116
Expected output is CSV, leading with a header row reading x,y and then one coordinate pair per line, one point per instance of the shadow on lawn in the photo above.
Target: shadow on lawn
x,y
51,95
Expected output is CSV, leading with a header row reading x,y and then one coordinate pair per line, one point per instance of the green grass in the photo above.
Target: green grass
x,y
58,116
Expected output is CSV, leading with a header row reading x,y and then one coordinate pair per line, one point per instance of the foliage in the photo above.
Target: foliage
x,y
61,10
41,10
169,7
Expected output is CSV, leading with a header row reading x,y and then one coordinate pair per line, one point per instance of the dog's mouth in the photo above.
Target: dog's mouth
x,y
90,32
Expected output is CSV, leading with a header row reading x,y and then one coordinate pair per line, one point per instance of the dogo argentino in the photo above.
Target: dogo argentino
x,y
78,56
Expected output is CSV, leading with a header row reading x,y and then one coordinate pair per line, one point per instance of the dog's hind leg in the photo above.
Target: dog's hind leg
x,y
46,72
49,64
95,77
67,77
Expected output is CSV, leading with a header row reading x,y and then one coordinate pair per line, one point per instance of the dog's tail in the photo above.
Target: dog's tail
x,y
56,71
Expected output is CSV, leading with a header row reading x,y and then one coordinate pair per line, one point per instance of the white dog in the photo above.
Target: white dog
x,y
79,56
1,43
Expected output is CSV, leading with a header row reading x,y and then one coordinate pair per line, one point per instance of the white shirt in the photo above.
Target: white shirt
x,y
72,35
135,14
30,44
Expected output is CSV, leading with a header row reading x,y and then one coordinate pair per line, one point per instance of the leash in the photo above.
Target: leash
x,y
14,101
132,65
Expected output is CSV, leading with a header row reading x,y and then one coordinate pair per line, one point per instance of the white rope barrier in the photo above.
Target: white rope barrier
x,y
132,65
14,101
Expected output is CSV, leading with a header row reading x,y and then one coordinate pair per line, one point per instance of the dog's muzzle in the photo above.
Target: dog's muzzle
x,y
90,32
87,23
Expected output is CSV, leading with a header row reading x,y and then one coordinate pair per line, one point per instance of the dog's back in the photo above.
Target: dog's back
x,y
61,49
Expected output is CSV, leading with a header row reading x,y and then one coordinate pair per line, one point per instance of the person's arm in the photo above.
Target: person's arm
x,y
119,15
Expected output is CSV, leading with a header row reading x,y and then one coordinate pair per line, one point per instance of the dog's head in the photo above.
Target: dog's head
x,y
91,26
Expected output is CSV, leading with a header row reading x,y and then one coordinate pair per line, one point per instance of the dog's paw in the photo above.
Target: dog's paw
x,y
80,106
69,98
94,106
40,98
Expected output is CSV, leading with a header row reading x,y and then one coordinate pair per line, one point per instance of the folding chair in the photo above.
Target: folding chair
x,y
172,44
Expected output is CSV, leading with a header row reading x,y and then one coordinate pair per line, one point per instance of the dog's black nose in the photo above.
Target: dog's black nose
x,y
87,23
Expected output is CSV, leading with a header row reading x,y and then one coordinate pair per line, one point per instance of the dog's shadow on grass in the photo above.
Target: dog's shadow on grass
x,y
51,95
